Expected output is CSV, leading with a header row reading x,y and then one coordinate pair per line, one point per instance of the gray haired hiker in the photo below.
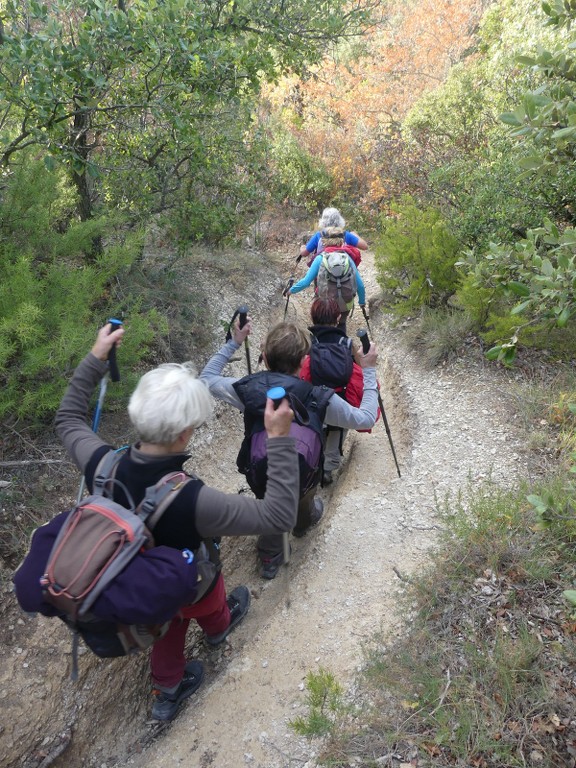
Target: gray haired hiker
x,y
168,404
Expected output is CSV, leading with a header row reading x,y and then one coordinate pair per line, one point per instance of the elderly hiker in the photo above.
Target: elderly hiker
x,y
283,352
168,404
335,276
331,217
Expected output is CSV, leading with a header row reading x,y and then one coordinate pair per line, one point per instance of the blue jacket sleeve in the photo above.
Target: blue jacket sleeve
x,y
351,239
312,244
360,285
309,277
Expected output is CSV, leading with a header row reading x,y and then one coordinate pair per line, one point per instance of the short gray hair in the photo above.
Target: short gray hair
x,y
168,400
331,217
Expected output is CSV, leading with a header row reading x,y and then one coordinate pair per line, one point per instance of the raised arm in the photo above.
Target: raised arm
x,y
220,386
71,418
341,414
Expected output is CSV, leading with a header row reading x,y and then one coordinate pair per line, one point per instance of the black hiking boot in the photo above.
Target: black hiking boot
x,y
270,565
238,602
315,518
166,704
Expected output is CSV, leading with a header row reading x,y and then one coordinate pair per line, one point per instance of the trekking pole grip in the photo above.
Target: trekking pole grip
x,y
112,363
289,284
243,315
276,394
362,334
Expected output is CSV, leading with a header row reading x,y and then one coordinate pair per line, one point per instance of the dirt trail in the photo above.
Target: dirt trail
x,y
450,427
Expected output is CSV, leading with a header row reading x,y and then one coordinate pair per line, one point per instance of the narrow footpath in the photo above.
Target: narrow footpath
x,y
451,427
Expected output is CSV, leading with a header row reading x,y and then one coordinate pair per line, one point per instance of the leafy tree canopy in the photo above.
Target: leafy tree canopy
x,y
126,87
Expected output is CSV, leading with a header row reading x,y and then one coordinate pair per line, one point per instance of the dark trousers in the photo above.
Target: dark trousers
x,y
271,544
342,322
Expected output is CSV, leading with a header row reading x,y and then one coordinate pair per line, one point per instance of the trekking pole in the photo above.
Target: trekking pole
x,y
286,292
363,336
112,373
363,308
242,314
277,394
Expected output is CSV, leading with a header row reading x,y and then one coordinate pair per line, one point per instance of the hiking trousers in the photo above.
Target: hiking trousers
x,y
167,659
272,544
332,456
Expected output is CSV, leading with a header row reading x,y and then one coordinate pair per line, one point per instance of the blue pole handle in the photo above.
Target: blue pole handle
x,y
277,394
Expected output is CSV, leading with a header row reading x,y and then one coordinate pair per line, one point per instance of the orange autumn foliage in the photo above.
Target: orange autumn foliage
x,y
349,111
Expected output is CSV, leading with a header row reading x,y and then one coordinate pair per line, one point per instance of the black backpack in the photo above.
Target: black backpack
x,y
306,428
331,363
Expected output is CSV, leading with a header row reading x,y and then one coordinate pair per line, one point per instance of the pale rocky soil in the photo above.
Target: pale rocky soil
x,y
452,427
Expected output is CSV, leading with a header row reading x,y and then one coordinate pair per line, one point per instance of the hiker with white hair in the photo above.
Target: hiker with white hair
x,y
334,275
331,218
167,406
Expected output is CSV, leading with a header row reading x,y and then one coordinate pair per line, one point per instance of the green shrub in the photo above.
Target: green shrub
x,y
325,702
299,177
415,257
52,298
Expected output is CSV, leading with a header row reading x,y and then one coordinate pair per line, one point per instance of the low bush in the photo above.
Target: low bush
x,y
438,335
415,257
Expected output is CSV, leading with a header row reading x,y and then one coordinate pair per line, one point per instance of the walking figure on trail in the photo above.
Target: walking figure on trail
x,y
283,352
331,217
331,362
168,404
335,276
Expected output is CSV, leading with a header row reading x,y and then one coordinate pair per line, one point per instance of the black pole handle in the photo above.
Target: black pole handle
x,y
362,334
289,284
243,318
112,363
243,315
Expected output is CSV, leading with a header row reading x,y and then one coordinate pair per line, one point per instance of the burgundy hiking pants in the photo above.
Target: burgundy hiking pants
x,y
167,659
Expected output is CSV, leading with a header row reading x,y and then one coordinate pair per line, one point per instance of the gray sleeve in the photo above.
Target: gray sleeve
x,y
232,514
341,414
71,423
221,386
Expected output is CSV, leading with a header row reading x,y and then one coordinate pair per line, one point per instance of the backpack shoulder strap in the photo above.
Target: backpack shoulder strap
x,y
158,497
105,471
345,341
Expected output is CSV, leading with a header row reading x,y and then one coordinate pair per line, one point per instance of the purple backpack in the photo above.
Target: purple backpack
x,y
96,568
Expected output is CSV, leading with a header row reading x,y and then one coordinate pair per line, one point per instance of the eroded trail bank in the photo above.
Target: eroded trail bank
x,y
450,427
